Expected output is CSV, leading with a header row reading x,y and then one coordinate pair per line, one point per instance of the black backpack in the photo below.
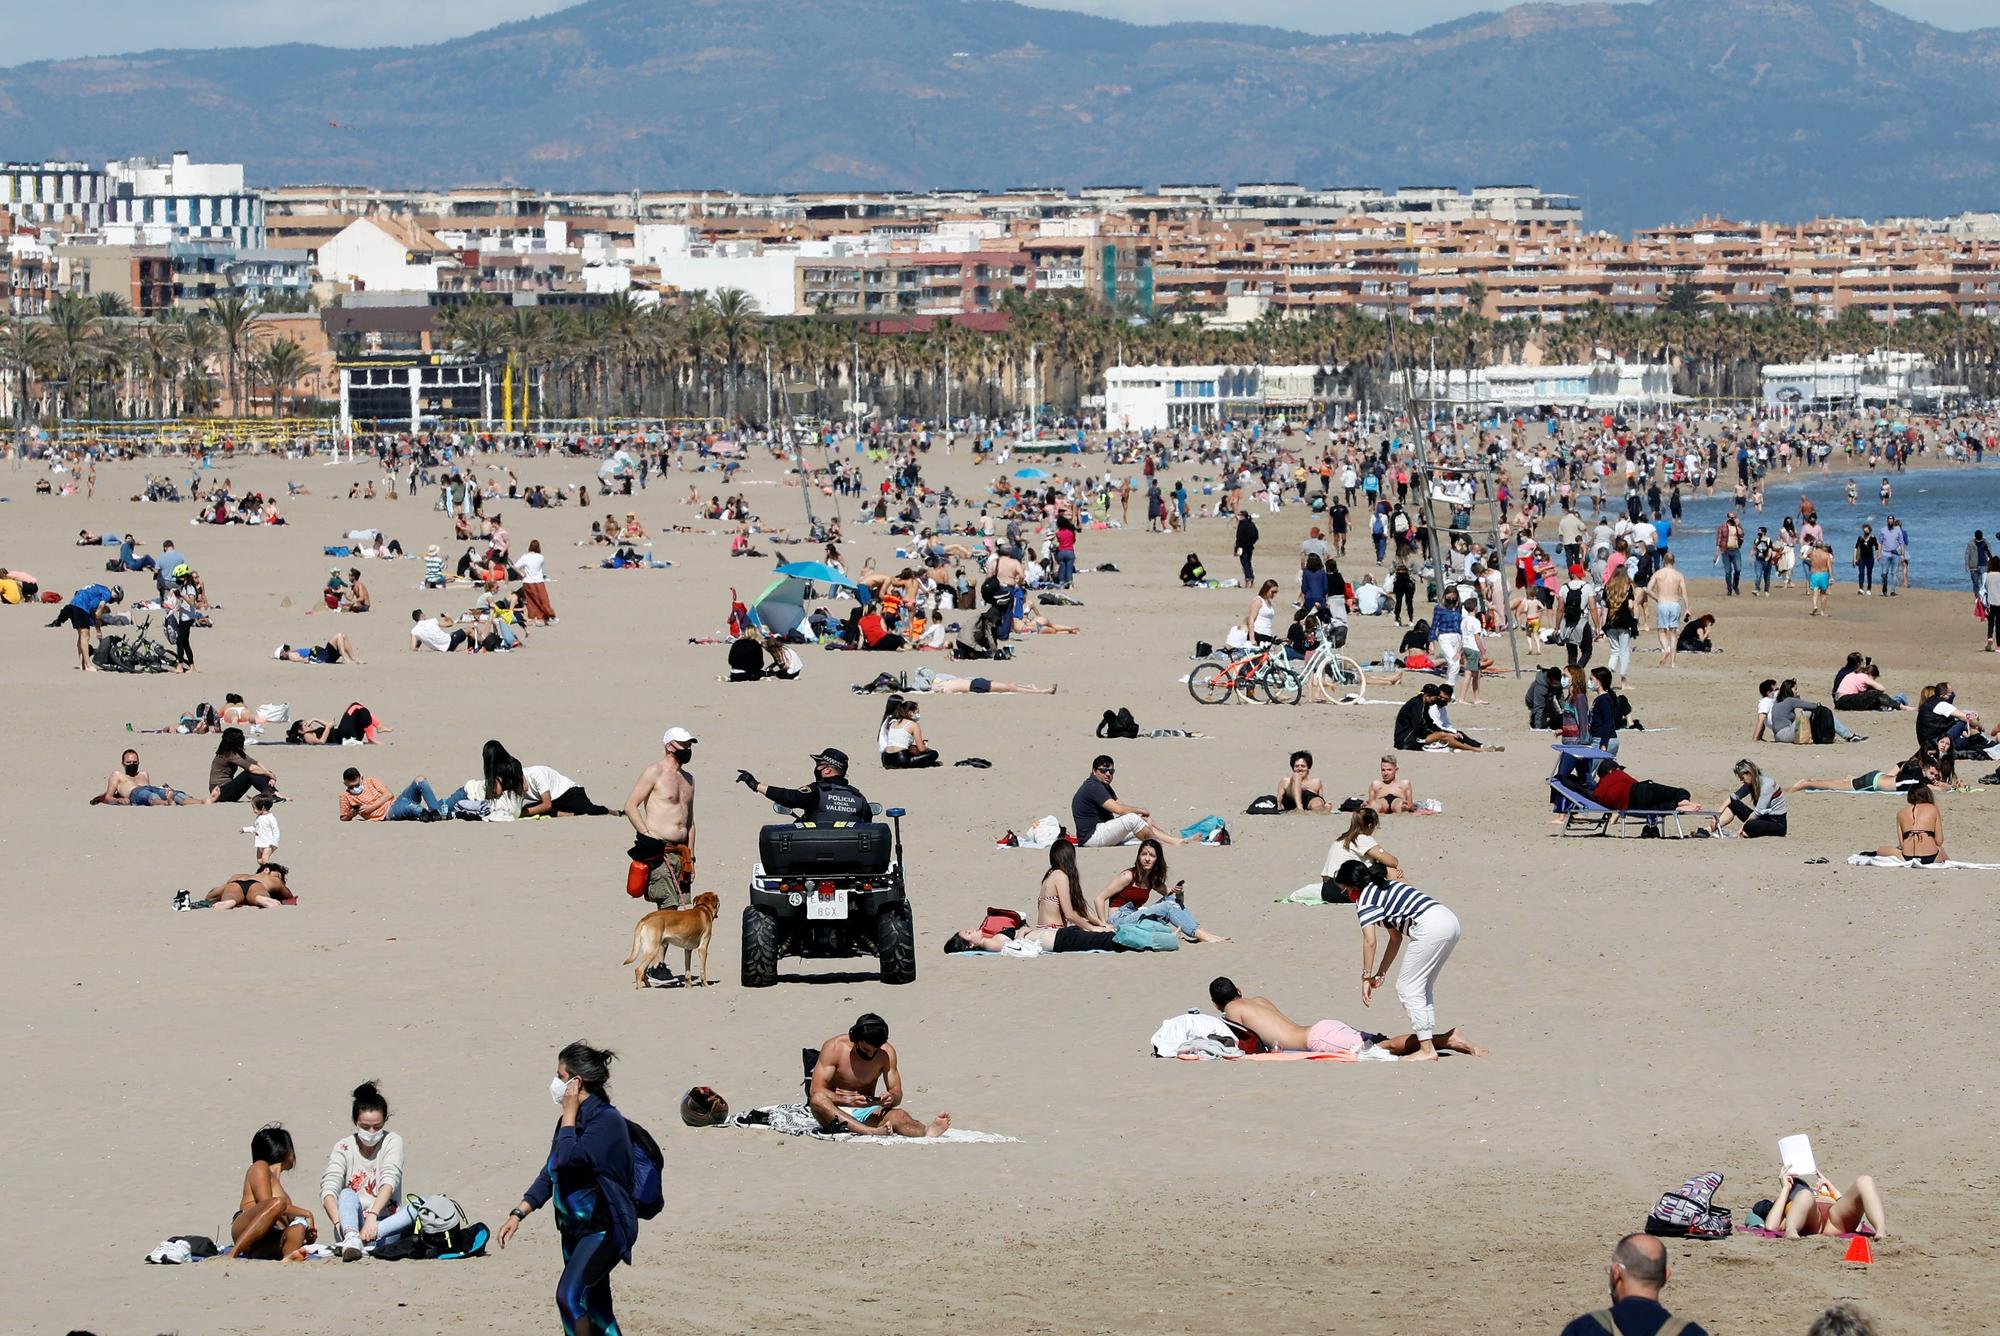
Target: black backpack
x,y
1823,730
1118,723
1573,603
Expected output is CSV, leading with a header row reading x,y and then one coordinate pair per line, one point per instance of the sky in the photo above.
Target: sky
x,y
108,27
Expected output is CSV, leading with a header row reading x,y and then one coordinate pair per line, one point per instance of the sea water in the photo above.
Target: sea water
x,y
1939,508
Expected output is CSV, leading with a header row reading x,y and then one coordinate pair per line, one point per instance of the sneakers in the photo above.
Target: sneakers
x,y
183,901
1857,737
350,1247
1008,841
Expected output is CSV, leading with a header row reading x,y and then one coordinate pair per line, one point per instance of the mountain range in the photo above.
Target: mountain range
x,y
1650,112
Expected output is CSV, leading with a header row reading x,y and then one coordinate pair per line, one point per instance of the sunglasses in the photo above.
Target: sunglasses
x,y
1107,769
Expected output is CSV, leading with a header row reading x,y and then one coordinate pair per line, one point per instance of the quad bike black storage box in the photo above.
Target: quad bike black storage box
x,y
803,851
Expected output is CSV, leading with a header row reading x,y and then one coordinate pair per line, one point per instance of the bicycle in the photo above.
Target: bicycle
x,y
1333,676
138,654
1254,676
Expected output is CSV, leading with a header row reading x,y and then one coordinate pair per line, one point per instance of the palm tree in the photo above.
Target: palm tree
x,y
281,364
24,350
477,330
73,329
235,320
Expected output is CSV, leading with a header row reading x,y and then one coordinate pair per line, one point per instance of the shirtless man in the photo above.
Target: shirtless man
x,y
661,810
842,1094
1669,591
1276,1030
1391,793
1302,791
130,786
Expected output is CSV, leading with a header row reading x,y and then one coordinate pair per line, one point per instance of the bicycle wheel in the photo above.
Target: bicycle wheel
x,y
1279,685
1212,681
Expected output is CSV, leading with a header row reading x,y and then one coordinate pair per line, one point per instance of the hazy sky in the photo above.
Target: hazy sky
x,y
103,27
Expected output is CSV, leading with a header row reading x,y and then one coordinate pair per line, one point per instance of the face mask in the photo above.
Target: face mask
x,y
354,789
368,1138
132,768
556,1088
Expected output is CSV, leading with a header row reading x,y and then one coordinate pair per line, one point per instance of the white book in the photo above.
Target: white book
x,y
1795,1153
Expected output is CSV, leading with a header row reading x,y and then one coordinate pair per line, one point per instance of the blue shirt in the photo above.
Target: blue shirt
x,y
589,1176
90,598
1446,621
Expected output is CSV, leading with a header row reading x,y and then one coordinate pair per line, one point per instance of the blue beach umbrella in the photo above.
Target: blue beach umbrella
x,y
1032,473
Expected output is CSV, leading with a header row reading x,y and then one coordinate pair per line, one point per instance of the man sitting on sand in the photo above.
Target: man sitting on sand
x,y
1424,721
1391,793
1280,1033
1102,821
842,1093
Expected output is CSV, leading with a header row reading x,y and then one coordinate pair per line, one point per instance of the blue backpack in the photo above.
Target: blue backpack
x,y
649,1195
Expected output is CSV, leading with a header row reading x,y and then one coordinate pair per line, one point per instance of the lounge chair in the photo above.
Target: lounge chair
x,y
1587,816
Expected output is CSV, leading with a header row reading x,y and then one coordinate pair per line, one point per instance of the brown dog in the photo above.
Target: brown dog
x,y
686,928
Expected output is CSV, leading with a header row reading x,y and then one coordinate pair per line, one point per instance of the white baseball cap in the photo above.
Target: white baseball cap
x,y
677,734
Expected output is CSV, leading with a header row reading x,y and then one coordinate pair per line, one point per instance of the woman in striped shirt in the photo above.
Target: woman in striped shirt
x,y
1431,931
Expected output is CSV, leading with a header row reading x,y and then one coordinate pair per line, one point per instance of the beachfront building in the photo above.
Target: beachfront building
x,y
1158,398
1603,384
1852,380
374,254
157,203
63,196
391,391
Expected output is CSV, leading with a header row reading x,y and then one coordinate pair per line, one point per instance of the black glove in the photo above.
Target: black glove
x,y
746,779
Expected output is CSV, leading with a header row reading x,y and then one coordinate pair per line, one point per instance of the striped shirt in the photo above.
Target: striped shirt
x,y
434,570
1397,905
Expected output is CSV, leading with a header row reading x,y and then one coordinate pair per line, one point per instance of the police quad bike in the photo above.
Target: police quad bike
x,y
829,892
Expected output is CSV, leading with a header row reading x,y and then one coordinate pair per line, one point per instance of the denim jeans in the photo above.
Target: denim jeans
x,y
1732,571
1890,562
1168,910
416,803
391,1226
1764,576
1065,566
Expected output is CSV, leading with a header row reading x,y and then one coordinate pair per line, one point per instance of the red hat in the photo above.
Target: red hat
x,y
1576,572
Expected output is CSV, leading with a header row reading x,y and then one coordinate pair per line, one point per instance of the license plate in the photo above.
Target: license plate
x,y
832,906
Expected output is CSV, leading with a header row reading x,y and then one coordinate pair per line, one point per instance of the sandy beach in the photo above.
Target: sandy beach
x,y
1654,1009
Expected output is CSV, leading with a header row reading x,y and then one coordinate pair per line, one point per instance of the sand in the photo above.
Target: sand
x,y
1654,1009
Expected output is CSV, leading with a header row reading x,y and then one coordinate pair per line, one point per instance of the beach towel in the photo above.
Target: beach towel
x,y
1949,865
1304,895
796,1120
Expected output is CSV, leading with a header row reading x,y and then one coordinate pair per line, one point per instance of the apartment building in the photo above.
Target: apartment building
x,y
67,196
181,200
141,276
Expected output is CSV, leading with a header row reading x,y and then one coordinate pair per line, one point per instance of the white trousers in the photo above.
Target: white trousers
x,y
1426,946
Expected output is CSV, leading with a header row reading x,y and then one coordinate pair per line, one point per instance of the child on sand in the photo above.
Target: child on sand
x,y
264,829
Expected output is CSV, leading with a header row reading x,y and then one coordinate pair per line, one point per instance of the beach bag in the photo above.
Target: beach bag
x,y
279,713
649,1194
1823,731
1146,934
1264,804
1001,921
1118,723
1690,1212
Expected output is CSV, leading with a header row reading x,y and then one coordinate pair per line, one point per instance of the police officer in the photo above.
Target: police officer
x,y
828,800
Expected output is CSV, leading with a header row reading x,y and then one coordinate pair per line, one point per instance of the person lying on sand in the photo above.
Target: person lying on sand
x,y
1277,1031
130,786
842,1093
263,889
1803,1208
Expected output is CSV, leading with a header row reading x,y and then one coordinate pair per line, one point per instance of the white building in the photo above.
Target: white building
x,y
69,196
1849,378
369,255
687,262
1157,398
181,200
1607,384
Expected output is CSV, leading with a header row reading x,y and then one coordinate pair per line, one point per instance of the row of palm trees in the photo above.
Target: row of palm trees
x,y
91,359
717,356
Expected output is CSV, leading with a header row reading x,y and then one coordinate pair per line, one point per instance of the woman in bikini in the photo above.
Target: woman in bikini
x,y
267,1225
1819,1208
263,889
1926,767
1919,829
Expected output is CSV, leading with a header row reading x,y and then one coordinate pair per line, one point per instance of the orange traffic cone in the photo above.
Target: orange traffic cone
x,y
1859,1252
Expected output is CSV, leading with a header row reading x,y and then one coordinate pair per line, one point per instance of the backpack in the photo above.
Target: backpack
x,y
649,1194
435,1214
1118,723
1573,603
1671,1326
1000,921
1823,730
1690,1212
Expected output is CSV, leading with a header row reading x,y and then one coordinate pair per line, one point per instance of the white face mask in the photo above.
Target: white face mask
x,y
556,1088
369,1138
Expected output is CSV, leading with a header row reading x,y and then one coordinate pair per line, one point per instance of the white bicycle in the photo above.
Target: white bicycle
x,y
1331,676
